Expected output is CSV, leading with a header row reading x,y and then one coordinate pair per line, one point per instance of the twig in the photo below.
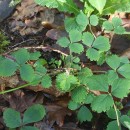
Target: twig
x,y
17,44
37,47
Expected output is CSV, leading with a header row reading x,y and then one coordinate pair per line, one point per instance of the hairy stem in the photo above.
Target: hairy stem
x,y
117,117
13,89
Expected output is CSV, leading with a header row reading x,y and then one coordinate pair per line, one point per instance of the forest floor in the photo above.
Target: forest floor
x,y
24,30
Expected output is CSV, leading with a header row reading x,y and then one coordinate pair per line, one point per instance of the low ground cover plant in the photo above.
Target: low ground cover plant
x,y
82,82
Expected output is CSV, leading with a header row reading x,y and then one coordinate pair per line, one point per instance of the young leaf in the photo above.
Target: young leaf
x,y
35,55
93,54
12,118
63,42
108,26
76,48
98,82
87,39
73,105
125,120
82,19
64,81
101,43
84,114
112,114
113,61
27,73
75,36
46,81
33,114
21,56
102,103
120,88
79,94
124,70
98,4
94,20
84,74
7,67
112,125
28,128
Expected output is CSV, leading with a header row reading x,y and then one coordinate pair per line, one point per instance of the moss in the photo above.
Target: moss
x,y
3,42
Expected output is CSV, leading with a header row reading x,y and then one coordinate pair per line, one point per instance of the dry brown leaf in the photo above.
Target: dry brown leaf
x,y
20,100
57,114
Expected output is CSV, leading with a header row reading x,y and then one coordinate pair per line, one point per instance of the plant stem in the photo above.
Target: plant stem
x,y
117,117
99,71
11,90
92,31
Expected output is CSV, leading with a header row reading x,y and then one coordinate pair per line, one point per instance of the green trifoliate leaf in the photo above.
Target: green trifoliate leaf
x,y
41,70
84,74
82,19
101,43
108,26
89,99
35,55
93,54
102,103
119,30
98,4
75,36
124,70
76,48
28,128
124,60
125,120
40,62
112,76
113,61
34,113
63,42
112,125
79,94
98,82
73,105
76,59
46,81
71,24
116,22
120,88
102,58
7,67
21,56
36,80
12,118
64,81
27,73
1,58
112,114
84,114
94,20
88,39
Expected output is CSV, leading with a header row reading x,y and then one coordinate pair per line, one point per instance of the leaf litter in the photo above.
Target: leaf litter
x,y
30,18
